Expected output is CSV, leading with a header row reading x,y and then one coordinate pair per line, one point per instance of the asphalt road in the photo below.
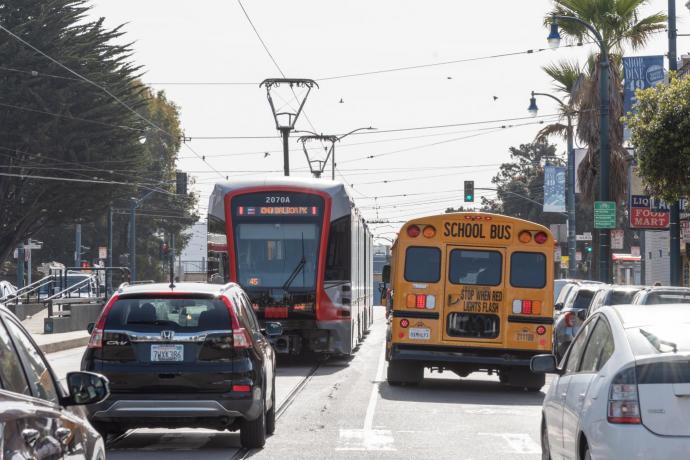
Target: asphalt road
x,y
347,410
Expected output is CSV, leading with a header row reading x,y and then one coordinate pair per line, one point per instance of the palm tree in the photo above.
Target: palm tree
x,y
619,24
567,77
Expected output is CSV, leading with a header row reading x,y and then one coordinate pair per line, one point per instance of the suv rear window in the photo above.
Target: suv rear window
x,y
655,298
621,297
422,265
528,270
583,298
177,314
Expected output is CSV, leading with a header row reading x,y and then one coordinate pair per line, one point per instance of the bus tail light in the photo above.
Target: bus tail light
x,y
541,237
527,307
421,301
525,236
429,231
413,231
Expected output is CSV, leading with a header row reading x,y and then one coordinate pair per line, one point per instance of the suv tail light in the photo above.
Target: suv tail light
x,y
569,319
624,402
240,336
96,340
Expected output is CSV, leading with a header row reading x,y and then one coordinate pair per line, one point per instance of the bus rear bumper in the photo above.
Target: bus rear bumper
x,y
480,358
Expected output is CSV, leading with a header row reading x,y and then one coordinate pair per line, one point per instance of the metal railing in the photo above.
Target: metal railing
x,y
32,292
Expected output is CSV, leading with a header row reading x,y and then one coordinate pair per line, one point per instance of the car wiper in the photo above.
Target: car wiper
x,y
656,342
300,265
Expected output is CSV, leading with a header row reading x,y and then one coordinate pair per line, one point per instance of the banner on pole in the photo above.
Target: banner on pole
x,y
554,188
579,156
639,72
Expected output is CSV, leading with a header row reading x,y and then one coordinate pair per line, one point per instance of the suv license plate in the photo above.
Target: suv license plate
x,y
420,333
167,353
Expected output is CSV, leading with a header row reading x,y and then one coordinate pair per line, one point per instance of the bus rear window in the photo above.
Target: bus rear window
x,y
422,265
528,270
475,267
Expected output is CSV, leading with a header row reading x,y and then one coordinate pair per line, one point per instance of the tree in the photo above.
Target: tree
x,y
661,135
161,215
53,124
619,24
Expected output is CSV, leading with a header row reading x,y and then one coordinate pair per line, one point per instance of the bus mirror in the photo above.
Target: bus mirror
x,y
386,274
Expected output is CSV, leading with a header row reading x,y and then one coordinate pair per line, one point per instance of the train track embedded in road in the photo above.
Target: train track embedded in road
x,y
244,453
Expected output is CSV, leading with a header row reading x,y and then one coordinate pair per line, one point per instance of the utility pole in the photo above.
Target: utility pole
x,y
674,222
109,261
20,265
135,203
285,120
77,246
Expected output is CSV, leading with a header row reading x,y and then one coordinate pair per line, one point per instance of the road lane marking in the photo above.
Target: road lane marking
x,y
519,443
368,438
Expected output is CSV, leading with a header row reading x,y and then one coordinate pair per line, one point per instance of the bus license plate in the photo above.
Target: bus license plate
x,y
167,353
525,337
420,333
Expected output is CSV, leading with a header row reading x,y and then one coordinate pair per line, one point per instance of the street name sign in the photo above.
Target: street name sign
x,y
604,214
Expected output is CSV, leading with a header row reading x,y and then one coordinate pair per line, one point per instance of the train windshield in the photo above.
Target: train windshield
x,y
277,236
277,254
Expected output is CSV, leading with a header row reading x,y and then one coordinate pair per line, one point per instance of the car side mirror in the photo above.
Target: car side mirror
x,y
582,314
89,327
558,306
273,329
386,274
86,388
544,364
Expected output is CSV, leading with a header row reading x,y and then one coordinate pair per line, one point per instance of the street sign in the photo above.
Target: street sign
x,y
586,236
604,214
557,252
578,256
102,252
564,261
617,239
635,251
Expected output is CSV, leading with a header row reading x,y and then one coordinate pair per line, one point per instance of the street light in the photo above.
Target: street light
x,y
604,147
332,138
554,37
533,109
572,239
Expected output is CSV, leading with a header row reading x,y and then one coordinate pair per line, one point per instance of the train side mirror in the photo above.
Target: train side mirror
x,y
386,274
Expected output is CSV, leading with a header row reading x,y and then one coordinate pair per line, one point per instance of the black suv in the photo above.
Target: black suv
x,y
190,355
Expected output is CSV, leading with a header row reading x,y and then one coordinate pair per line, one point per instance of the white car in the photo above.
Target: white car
x,y
622,390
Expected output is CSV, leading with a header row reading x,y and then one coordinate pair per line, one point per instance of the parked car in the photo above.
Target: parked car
x,y
654,295
38,420
563,294
572,314
192,355
559,284
614,294
623,389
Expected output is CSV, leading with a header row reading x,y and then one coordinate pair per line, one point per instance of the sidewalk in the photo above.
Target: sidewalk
x,y
51,343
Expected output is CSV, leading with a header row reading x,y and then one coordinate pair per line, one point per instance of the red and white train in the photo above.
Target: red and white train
x,y
302,252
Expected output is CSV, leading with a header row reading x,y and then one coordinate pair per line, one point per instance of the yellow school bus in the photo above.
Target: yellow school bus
x,y
471,292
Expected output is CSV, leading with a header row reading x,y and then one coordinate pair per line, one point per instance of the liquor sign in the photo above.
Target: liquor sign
x,y
554,188
642,214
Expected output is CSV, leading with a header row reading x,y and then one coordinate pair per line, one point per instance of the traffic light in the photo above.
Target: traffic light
x,y
469,191
181,183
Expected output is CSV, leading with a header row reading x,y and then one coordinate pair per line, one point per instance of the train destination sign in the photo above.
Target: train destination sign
x,y
259,211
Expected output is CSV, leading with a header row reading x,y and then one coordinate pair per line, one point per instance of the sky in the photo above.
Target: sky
x,y
213,41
